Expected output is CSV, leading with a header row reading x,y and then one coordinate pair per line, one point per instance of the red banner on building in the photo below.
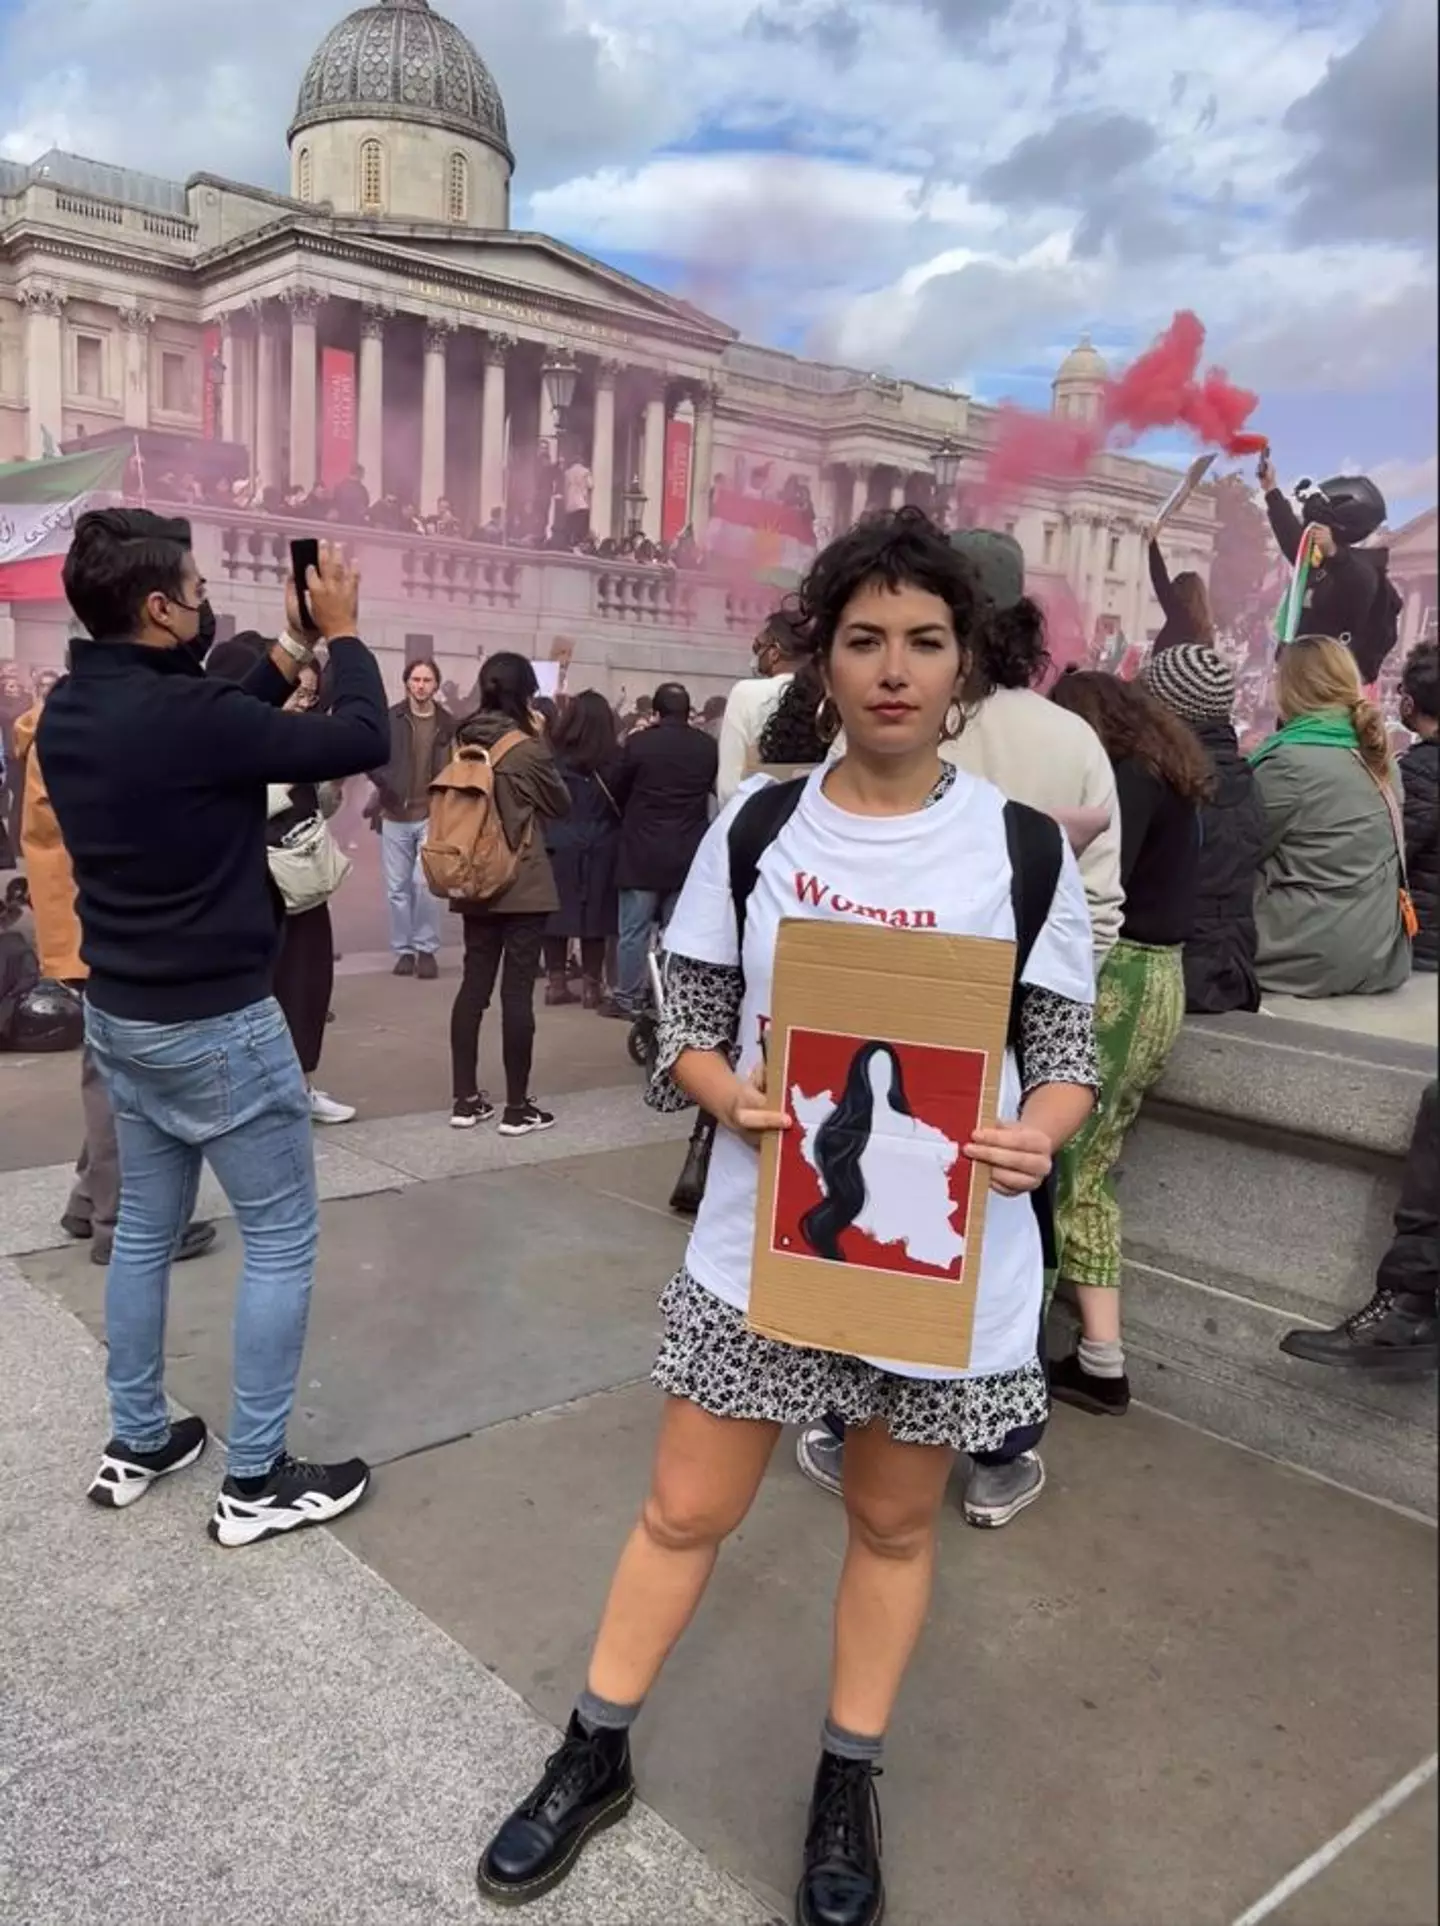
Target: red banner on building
x,y
679,447
337,414
214,375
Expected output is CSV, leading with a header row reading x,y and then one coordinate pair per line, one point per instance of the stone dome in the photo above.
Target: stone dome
x,y
399,60
1083,363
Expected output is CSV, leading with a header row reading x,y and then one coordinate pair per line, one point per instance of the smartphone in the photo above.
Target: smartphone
x,y
304,555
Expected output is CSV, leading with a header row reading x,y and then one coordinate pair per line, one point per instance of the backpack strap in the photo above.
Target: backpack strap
x,y
757,823
1036,853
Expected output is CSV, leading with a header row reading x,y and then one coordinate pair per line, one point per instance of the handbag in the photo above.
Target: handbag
x,y
1409,915
307,865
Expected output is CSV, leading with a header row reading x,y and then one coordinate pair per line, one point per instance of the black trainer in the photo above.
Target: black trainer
x,y
1396,1331
466,1112
524,1119
293,1496
125,1476
841,1884
1071,1383
587,1786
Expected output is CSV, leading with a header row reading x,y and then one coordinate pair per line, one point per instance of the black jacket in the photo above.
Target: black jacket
x,y
663,785
158,774
1220,956
1350,596
1176,627
1420,773
393,780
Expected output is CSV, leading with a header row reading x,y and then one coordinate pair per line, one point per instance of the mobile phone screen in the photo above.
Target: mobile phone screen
x,y
304,555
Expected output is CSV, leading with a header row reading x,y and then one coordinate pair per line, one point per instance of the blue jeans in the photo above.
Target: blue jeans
x,y
640,911
414,912
227,1091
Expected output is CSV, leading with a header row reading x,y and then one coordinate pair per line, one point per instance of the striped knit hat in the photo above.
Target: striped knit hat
x,y
1193,682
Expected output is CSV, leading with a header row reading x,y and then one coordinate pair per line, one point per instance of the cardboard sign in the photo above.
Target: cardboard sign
x,y
888,1046
1184,489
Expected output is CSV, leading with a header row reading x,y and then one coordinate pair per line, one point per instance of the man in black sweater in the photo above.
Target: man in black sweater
x,y
158,776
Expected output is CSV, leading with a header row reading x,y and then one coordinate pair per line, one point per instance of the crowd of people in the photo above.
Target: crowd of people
x,y
551,508
904,734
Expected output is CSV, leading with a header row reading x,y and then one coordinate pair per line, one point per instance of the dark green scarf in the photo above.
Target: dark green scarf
x,y
1326,729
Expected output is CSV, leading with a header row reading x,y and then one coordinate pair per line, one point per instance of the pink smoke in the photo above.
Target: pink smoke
x,y
1162,388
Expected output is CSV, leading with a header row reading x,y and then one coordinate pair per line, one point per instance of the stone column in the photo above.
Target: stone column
x,y
492,424
602,453
1140,598
432,415
304,306
826,504
229,379
266,461
135,324
653,474
897,492
45,367
370,436
1413,619
702,470
860,473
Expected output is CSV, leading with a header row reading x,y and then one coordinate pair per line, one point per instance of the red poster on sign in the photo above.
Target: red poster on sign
x,y
679,440
337,414
215,375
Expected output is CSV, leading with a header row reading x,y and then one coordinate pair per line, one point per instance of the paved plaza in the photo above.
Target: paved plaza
x,y
1147,1703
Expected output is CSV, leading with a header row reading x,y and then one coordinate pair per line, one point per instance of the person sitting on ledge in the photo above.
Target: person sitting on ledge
x,y
1396,1330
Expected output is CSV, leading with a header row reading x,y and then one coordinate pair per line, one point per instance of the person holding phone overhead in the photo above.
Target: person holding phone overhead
x,y
157,776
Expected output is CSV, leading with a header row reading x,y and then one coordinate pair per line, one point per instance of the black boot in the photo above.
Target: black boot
x,y
1071,1383
686,1196
588,1785
841,1884
1395,1331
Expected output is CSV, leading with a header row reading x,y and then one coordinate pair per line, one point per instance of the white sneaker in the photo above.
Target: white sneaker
x,y
325,1110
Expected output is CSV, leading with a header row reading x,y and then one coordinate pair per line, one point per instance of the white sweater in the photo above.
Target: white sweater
x,y
747,710
1037,753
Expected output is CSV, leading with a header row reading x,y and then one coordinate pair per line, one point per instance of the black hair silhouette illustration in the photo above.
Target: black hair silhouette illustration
x,y
840,1144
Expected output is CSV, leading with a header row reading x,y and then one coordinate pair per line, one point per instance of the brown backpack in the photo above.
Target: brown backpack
x,y
466,855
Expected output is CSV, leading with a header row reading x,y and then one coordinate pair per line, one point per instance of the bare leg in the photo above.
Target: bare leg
x,y
706,1473
1099,1309
893,1494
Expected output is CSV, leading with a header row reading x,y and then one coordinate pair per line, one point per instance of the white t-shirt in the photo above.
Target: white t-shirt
x,y
748,708
949,862
579,487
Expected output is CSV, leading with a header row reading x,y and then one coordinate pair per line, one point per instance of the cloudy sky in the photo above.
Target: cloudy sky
x,y
949,189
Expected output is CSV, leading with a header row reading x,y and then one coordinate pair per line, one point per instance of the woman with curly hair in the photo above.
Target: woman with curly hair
x,y
894,614
1162,776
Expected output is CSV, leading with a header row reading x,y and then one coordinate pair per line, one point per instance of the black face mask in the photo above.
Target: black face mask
x,y
204,632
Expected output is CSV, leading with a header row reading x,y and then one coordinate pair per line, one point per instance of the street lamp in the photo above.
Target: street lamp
x,y
635,500
560,375
947,462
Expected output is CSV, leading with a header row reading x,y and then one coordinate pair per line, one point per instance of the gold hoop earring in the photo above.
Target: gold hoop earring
x,y
827,719
954,723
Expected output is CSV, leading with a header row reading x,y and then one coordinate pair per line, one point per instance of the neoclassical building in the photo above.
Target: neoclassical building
x,y
385,314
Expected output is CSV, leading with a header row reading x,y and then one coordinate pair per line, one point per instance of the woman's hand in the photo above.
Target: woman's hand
x,y
1018,1155
746,1111
1266,472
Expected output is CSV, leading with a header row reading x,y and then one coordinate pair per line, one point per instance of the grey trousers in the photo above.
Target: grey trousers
x,y
95,1197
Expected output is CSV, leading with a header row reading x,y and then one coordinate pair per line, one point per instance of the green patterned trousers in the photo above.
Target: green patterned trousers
x,y
1139,1007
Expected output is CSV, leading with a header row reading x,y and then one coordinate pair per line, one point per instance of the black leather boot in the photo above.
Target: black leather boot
x,y
587,1786
841,1884
1395,1331
686,1196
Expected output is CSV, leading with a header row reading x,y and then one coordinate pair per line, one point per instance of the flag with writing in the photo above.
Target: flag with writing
x,y
40,502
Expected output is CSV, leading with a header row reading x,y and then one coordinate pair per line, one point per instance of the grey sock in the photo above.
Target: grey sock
x,y
1102,1358
603,1715
850,1745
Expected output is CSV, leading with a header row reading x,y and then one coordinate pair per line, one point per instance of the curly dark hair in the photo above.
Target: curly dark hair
x,y
790,736
1013,653
901,548
1133,726
1420,680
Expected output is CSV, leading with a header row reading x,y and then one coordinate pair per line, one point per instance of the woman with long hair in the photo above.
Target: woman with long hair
x,y
1330,912
894,613
583,849
1162,777
509,930
1184,603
